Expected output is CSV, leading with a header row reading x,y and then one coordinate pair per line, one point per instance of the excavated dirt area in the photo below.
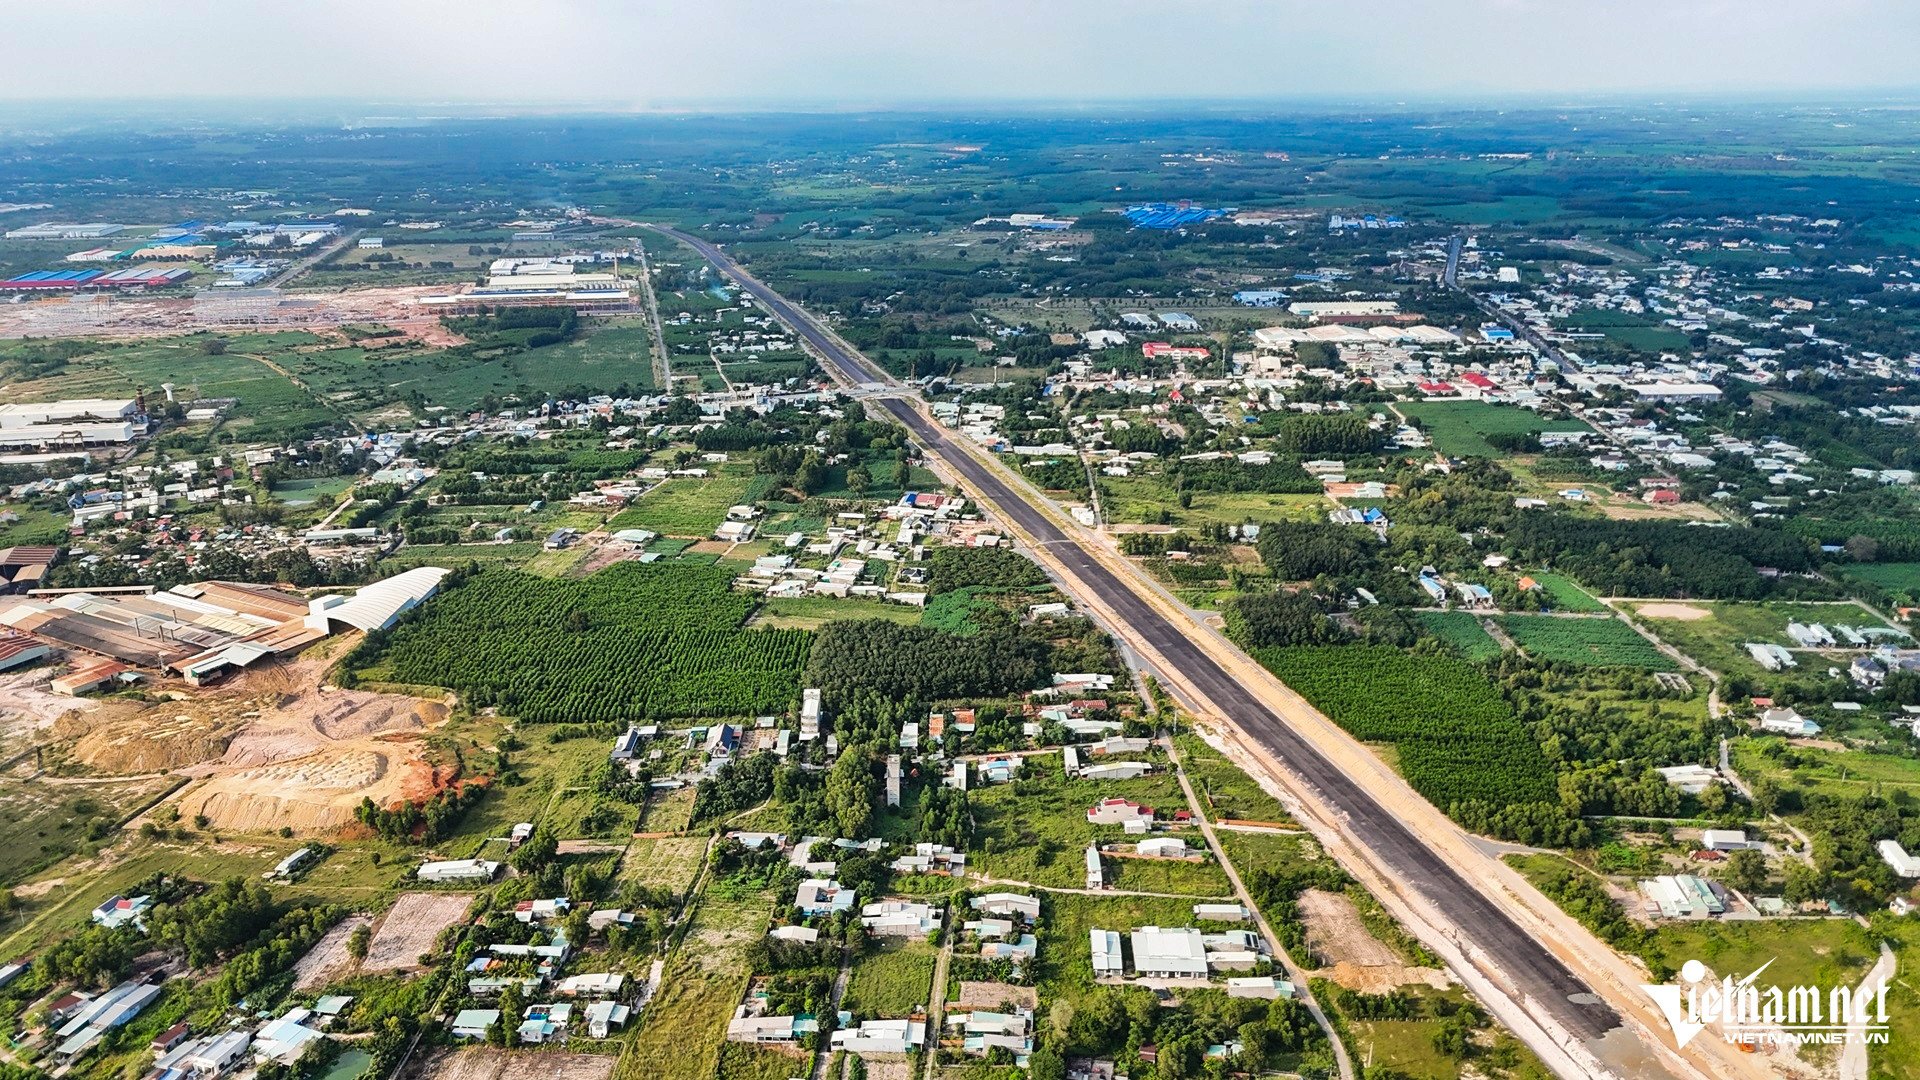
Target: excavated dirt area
x,y
28,707
1354,958
306,757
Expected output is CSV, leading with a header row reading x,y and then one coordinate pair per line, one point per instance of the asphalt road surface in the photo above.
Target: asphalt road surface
x,y
1527,964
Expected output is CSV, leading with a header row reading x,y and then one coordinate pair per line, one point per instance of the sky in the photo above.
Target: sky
x,y
645,55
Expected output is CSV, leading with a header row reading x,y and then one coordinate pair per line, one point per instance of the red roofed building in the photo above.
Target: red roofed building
x,y
1153,349
1436,388
1117,812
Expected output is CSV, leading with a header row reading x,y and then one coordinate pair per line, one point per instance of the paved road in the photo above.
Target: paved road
x,y
1529,966
1302,987
1451,279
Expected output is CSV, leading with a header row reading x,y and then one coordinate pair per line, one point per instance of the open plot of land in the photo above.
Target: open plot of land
x,y
813,612
1036,830
409,928
1842,772
892,980
991,995
664,862
1348,951
1598,642
686,506
1719,638
488,1063
48,820
328,959
1225,791
682,1029
1461,428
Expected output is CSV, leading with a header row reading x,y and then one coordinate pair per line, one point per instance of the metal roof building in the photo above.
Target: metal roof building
x,y
379,605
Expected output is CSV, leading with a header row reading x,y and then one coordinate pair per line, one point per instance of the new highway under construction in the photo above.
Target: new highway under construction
x,y
1572,999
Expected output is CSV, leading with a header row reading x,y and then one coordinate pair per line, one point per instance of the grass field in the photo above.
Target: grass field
x,y
682,1029
1136,499
1595,642
49,822
1567,595
1839,772
1462,630
891,980
667,862
1718,640
813,612
687,507
1225,791
1035,830
1460,428
1902,579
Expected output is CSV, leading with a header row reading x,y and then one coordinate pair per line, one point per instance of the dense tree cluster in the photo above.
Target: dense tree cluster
x,y
1659,558
926,663
957,567
1301,550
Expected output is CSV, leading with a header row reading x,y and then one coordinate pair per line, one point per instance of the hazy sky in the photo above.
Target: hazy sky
x,y
864,53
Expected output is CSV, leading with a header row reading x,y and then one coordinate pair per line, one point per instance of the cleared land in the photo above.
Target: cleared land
x,y
328,959
664,862
892,980
409,928
488,1063
1461,428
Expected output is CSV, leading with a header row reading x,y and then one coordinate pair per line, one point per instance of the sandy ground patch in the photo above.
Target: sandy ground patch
x,y
27,706
1336,934
306,756
1351,955
328,959
988,995
488,1063
1677,612
409,928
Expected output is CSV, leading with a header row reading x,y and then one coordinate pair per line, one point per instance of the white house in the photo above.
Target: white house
x,y
1896,856
1169,953
1105,947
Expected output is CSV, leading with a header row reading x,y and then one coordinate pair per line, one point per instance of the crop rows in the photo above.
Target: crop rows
x,y
1456,738
630,643
1593,642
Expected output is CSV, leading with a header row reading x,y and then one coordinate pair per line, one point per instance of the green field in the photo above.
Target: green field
x,y
687,506
1567,595
1226,792
891,980
813,612
682,1029
1597,642
1460,428
1719,640
1633,331
1902,579
1036,830
1462,630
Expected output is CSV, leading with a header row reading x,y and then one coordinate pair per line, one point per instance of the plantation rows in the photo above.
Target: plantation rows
x,y
632,642
1456,738
1594,642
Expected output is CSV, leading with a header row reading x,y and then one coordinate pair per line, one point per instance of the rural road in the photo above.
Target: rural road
x,y
1569,1019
